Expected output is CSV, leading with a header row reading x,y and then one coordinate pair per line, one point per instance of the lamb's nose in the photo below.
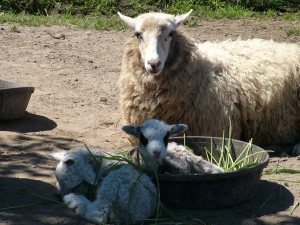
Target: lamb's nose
x,y
156,154
154,63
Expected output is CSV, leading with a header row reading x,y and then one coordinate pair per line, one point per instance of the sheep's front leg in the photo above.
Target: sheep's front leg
x,y
87,209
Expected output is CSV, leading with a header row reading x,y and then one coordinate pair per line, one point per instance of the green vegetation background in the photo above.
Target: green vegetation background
x,y
101,14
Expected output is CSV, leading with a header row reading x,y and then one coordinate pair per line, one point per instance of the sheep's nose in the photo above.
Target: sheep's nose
x,y
154,63
156,154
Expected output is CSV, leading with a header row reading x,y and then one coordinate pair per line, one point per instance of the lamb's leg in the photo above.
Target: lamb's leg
x,y
87,209
210,167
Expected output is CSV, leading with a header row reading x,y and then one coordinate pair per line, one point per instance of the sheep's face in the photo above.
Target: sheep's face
x,y
154,33
153,137
72,169
67,176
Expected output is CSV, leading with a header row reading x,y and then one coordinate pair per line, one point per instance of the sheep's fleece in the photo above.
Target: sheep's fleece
x,y
255,83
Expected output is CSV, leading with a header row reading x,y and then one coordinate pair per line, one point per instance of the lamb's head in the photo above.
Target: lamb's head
x,y
72,169
154,33
153,138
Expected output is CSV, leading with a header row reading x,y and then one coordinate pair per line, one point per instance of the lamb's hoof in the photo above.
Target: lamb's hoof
x,y
69,200
296,150
75,202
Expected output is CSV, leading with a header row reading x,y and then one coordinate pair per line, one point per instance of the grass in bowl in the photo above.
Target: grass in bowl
x,y
227,158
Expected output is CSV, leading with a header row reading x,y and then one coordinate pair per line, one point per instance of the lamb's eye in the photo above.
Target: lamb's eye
x,y
69,162
138,35
143,139
171,33
166,139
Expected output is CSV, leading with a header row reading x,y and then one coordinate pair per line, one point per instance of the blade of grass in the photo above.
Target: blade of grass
x,y
285,180
282,170
25,192
262,205
256,153
296,205
22,206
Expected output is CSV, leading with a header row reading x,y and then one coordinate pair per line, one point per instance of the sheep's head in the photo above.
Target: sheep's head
x,y
72,169
153,138
154,32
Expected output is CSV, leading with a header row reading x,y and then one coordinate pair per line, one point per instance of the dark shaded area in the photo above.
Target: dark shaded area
x,y
29,123
23,202
271,198
30,154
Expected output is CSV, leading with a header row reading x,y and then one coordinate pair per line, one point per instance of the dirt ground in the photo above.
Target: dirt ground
x,y
74,72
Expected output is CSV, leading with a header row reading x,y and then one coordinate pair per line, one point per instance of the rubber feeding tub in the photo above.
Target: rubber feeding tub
x,y
14,99
212,190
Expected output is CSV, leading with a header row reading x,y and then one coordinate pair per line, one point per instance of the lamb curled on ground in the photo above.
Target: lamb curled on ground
x,y
123,193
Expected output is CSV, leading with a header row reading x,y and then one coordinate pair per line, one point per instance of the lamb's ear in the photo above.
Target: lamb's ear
x,y
128,20
59,156
132,130
177,129
178,20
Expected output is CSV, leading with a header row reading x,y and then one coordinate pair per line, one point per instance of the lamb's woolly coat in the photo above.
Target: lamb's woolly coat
x,y
123,193
254,82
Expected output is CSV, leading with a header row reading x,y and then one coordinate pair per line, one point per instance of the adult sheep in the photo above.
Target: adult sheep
x,y
167,76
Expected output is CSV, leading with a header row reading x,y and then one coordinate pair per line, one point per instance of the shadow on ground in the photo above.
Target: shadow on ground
x,y
26,156
29,123
26,201
271,198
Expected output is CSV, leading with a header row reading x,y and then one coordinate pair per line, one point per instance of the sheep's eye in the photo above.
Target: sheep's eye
x,y
138,35
143,139
69,162
166,139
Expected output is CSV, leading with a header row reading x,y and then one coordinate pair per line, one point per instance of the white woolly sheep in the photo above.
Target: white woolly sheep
x,y
125,194
254,82
153,146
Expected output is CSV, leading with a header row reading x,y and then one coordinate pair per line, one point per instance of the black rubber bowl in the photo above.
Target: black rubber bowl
x,y
212,190
14,99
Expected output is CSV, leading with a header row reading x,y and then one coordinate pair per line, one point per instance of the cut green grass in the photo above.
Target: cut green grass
x,y
227,158
286,180
295,206
282,170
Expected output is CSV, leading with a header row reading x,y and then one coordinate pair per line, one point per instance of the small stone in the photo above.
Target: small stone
x,y
103,99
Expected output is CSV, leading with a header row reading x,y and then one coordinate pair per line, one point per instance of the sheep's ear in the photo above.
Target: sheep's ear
x,y
132,130
59,156
177,129
178,20
128,20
